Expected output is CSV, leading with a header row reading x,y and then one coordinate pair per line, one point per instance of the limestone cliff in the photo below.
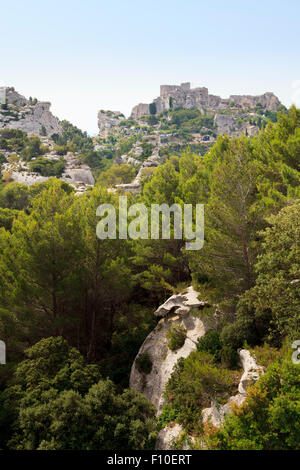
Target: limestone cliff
x,y
30,116
107,120
177,310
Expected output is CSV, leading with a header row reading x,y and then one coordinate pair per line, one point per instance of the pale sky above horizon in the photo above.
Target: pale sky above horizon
x,y
89,55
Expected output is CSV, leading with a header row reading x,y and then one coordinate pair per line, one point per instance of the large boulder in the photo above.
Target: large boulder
x,y
176,311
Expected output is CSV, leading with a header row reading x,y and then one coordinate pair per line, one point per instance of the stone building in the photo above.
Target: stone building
x,y
183,96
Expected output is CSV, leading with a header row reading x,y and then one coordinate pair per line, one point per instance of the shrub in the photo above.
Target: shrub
x,y
211,343
2,159
152,108
143,363
43,131
269,418
117,174
229,356
176,336
48,167
61,149
265,355
59,402
194,382
168,415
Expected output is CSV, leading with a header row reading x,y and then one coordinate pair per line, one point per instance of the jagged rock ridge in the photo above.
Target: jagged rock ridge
x,y
30,116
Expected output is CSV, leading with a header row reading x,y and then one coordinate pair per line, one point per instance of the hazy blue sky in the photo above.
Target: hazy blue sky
x,y
89,55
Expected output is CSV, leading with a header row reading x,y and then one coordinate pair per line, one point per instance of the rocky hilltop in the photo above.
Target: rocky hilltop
x,y
28,115
183,96
35,145
181,117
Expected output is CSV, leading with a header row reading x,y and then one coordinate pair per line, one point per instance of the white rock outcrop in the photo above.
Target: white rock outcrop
x,y
175,311
107,120
180,303
30,116
252,372
168,435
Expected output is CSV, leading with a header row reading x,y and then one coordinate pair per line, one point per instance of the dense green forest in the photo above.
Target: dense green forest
x,y
74,309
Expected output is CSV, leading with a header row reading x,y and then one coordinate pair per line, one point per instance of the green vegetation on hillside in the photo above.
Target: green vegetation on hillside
x,y
74,309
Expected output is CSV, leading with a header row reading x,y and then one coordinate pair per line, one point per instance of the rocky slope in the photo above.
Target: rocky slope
x,y
171,433
180,117
35,119
182,309
78,175
30,116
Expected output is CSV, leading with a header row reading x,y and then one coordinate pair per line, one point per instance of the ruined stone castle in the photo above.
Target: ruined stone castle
x,y
183,96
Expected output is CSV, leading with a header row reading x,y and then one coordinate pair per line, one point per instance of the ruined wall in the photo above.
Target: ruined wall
x,y
183,96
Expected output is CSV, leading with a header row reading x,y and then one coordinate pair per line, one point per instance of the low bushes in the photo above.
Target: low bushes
x,y
176,336
196,381
143,363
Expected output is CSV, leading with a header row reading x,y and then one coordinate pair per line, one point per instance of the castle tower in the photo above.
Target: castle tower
x,y
185,86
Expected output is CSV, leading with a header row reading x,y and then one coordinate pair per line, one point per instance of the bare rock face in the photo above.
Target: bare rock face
x,y
167,437
107,120
27,115
175,311
180,303
37,118
225,123
252,372
267,100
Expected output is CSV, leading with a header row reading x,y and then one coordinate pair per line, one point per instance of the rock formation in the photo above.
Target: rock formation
x,y
252,371
180,309
75,173
30,116
173,432
175,311
183,96
167,437
107,120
